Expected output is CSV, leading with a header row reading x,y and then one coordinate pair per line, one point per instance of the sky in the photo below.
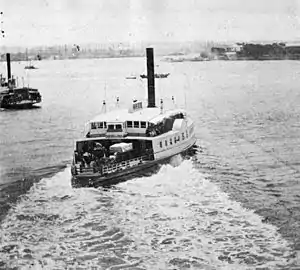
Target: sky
x,y
49,22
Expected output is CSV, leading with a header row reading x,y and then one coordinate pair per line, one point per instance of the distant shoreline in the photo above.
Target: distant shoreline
x,y
183,51
238,59
14,59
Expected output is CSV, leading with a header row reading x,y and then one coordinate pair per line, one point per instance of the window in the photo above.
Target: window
x,y
160,144
171,141
179,116
100,124
143,124
104,123
136,124
166,143
182,136
119,126
111,127
129,124
137,106
93,126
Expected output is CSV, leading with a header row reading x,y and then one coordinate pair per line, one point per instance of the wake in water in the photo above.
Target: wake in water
x,y
175,219
176,160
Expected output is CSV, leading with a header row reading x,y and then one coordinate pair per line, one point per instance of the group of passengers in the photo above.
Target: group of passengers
x,y
94,155
162,127
155,130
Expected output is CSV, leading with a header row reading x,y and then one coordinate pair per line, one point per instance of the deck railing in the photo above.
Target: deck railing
x,y
121,165
115,166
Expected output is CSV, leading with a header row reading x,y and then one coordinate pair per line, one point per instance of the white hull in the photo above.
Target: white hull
x,y
170,150
175,150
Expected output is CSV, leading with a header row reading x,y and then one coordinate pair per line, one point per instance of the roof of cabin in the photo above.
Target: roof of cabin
x,y
146,114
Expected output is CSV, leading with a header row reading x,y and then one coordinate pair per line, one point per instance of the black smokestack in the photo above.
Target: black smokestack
x,y
8,66
150,75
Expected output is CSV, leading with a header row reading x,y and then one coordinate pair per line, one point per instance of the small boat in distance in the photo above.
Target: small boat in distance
x,y
30,66
14,97
157,76
172,60
120,143
132,77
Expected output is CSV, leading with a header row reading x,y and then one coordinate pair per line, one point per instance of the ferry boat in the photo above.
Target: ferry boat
x,y
131,77
14,97
124,141
157,75
30,66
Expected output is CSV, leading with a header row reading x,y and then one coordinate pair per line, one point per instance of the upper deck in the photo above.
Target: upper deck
x,y
136,121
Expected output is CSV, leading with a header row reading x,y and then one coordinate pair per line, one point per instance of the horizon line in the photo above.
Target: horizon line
x,y
145,42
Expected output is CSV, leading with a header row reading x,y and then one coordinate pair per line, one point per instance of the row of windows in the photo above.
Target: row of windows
x,y
129,124
137,106
96,125
136,124
115,127
175,139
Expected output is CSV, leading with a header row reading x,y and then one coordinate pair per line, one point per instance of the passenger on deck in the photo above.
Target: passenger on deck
x,y
98,161
113,158
87,158
98,150
151,132
93,165
77,157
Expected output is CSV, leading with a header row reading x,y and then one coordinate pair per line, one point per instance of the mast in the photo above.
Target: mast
x,y
151,79
8,66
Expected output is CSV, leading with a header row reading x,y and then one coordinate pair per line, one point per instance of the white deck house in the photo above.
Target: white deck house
x,y
131,122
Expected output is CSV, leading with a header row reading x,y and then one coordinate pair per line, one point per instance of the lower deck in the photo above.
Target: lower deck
x,y
94,158
102,152
114,173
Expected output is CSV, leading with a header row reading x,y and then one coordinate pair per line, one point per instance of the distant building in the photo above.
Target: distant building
x,y
293,49
222,49
226,52
218,50
236,47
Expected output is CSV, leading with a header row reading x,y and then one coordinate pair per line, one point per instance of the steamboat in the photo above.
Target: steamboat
x,y
123,142
14,97
156,75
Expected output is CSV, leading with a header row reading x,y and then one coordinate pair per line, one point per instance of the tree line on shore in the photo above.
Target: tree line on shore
x,y
254,51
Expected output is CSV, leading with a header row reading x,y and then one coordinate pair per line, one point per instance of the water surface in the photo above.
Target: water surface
x,y
235,207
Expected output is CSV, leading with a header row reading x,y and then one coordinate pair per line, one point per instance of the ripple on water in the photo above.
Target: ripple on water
x,y
176,219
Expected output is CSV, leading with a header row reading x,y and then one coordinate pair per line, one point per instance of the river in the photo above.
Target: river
x,y
236,207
